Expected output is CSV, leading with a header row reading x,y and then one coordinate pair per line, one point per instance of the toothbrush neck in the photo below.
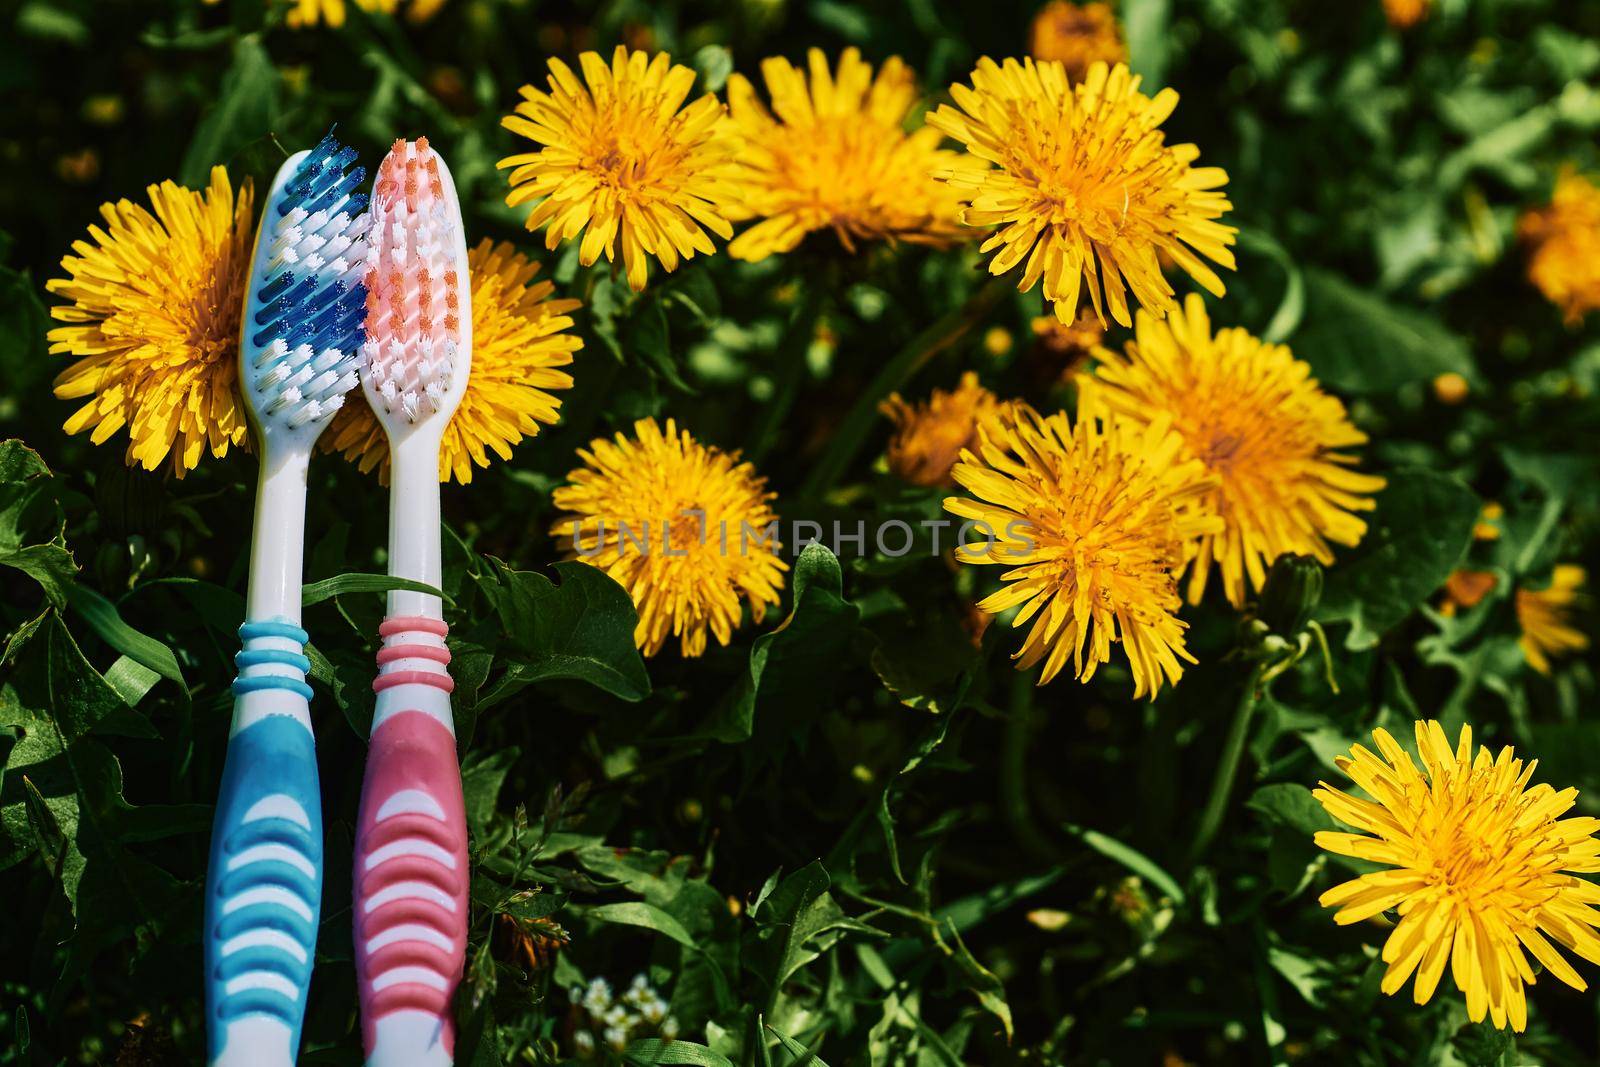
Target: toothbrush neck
x,y
414,536
278,546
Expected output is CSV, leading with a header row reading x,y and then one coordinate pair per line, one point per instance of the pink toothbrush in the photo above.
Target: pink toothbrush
x,y
410,873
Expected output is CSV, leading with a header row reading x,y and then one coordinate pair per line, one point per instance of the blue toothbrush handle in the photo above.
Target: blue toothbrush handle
x,y
264,882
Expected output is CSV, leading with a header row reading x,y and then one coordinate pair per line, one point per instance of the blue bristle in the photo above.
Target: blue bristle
x,y
313,299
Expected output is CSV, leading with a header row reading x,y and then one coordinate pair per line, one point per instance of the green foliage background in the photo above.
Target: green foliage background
x,y
823,843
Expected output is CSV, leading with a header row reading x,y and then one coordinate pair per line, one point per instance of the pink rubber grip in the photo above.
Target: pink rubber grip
x,y
411,877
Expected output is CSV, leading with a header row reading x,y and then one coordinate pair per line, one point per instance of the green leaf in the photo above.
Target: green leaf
x,y
23,326
1145,25
581,629
32,531
715,63
1484,1045
131,680
985,985
639,913
804,1057
1291,308
1360,343
246,109
104,618
62,791
648,336
1131,858
788,664
657,1050
1292,805
798,921
340,584
481,780
1416,537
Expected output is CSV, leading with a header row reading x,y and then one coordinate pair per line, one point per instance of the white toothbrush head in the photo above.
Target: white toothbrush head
x,y
300,340
418,351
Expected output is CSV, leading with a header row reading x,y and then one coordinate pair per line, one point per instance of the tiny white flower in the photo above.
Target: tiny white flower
x,y
616,1038
583,1041
669,1028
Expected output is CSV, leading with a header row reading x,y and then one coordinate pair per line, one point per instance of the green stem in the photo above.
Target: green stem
x,y
1227,767
791,371
1014,770
853,431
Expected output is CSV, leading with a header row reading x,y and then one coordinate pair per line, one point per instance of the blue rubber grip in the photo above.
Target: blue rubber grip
x,y
264,883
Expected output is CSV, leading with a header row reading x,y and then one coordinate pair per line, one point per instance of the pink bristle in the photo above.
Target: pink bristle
x,y
413,272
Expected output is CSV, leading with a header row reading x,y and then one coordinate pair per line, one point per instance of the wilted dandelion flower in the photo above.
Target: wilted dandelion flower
x,y
1545,616
682,526
153,312
1075,339
1093,519
623,162
929,437
1481,866
1084,187
1564,246
1404,14
1077,36
1256,418
833,153
520,340
1465,590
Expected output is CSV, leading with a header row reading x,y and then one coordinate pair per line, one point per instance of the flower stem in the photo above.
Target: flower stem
x,y
1014,777
791,371
852,432
1227,767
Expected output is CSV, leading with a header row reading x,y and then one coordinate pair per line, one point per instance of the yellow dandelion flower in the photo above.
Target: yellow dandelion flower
x,y
306,13
683,527
1254,416
1564,243
1093,518
931,436
1404,14
1077,36
624,162
153,312
519,344
1487,528
833,153
1481,867
1084,187
1545,616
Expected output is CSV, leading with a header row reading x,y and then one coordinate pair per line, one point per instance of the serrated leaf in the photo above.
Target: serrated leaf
x,y
1357,342
32,533
481,780
245,109
580,629
1292,805
793,661
1415,538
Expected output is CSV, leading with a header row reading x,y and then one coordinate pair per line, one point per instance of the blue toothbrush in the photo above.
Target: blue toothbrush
x,y
298,357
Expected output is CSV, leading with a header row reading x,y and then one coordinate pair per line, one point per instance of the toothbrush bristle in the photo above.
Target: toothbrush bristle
x,y
413,293
310,291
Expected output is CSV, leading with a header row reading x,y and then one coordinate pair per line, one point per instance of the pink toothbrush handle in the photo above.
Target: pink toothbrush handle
x,y
410,875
